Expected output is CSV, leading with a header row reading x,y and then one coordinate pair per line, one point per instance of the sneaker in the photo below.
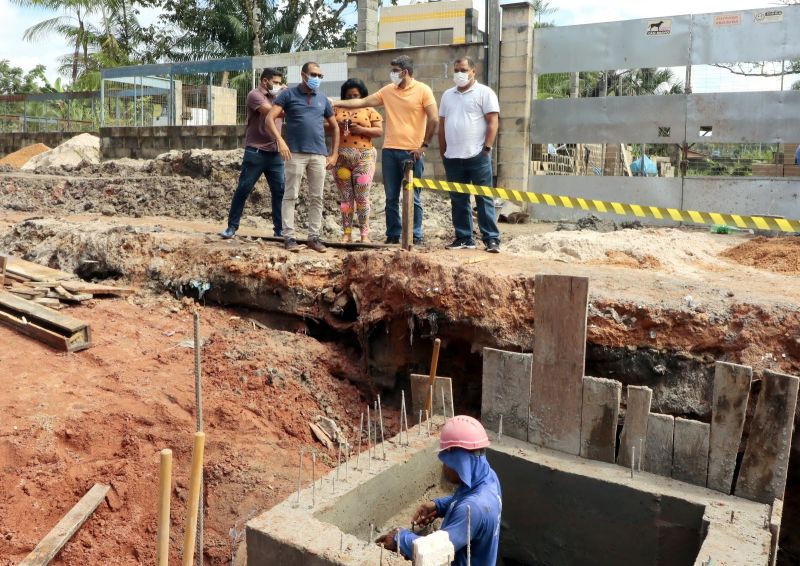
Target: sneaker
x,y
462,244
316,244
227,233
291,245
493,247
419,241
392,240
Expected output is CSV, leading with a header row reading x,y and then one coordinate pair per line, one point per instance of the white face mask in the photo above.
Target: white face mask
x,y
461,79
396,77
274,90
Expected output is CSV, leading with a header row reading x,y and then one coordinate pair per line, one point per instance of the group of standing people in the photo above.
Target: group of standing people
x,y
285,141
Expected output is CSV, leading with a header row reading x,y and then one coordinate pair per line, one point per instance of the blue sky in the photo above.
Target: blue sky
x,y
47,50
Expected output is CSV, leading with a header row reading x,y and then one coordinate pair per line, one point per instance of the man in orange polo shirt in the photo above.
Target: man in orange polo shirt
x,y
411,120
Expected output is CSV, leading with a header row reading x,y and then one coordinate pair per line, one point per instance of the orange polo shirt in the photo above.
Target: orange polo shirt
x,y
405,114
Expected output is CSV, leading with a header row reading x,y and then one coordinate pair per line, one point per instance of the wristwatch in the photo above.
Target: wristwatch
x,y
487,149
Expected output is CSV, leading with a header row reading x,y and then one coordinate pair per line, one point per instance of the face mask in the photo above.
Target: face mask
x,y
461,79
274,90
395,77
313,82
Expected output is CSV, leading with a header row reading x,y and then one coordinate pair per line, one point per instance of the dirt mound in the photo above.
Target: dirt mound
x,y
83,147
628,259
22,156
781,255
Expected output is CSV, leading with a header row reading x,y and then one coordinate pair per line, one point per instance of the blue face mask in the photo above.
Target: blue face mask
x,y
313,82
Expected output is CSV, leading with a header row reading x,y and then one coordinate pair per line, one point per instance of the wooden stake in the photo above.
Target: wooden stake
x,y
164,490
434,366
189,536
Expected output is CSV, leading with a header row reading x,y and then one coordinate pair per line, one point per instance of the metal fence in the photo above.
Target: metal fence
x,y
50,112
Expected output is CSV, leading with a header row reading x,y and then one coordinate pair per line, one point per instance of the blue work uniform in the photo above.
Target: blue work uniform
x,y
480,491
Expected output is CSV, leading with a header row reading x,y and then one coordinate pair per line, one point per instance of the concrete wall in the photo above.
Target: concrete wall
x,y
149,142
432,66
9,143
450,14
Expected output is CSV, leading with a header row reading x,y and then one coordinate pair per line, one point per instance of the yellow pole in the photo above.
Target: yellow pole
x,y
194,499
164,489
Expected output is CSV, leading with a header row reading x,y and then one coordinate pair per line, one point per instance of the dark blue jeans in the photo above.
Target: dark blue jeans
x,y
255,163
392,162
477,171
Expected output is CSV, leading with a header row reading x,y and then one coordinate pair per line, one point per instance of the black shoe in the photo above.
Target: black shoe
x,y
227,233
419,241
493,247
316,244
392,240
291,245
462,244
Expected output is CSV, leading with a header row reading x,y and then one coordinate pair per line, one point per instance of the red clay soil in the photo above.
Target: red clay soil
x,y
102,415
781,255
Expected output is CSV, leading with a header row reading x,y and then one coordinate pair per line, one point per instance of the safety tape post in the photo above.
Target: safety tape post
x,y
609,207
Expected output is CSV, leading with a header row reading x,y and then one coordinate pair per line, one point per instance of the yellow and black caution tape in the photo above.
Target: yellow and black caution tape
x,y
610,207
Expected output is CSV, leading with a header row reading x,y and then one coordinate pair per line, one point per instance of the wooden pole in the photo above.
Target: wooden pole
x,y
164,489
407,237
434,365
193,499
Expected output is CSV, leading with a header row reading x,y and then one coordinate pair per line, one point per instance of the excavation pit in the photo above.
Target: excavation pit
x,y
558,510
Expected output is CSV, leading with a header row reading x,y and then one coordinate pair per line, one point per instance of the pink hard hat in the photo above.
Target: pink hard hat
x,y
463,432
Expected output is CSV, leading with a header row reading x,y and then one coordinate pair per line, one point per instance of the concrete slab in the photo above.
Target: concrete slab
x,y
600,413
690,456
419,394
506,391
559,355
766,458
659,445
728,408
634,430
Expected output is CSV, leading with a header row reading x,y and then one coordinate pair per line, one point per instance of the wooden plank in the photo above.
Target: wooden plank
x,y
659,445
690,455
506,391
94,289
634,430
50,303
559,354
762,476
35,272
50,338
55,540
728,408
3,262
57,330
43,316
419,393
600,414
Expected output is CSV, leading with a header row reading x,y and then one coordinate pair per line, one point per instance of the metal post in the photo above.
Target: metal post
x,y
407,238
102,102
24,115
171,116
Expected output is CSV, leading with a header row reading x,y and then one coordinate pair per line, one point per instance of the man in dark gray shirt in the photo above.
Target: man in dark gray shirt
x,y
304,151
260,153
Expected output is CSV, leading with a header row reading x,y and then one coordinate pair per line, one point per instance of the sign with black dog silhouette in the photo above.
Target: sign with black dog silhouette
x,y
659,27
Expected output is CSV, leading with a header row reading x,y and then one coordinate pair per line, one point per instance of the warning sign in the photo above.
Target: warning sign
x,y
769,17
659,27
728,20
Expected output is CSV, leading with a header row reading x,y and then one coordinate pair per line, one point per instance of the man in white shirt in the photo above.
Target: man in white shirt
x,y
468,120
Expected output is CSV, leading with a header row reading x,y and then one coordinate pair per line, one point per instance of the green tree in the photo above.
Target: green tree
x,y
14,80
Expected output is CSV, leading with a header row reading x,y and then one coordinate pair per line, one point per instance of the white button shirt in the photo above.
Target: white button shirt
x,y
465,119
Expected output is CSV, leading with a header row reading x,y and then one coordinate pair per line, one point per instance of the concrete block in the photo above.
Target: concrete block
x,y
419,394
201,131
600,413
690,454
766,459
729,405
506,391
434,550
514,64
659,445
634,430
559,356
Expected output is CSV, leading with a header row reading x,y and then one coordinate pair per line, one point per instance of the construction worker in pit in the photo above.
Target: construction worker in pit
x,y
462,447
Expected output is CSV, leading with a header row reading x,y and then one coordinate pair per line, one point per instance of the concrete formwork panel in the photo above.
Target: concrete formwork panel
x,y
420,390
632,441
728,408
690,455
601,399
506,391
659,445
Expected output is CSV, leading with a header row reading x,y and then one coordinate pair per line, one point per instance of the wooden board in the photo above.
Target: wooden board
x,y
728,408
35,272
659,445
762,476
3,261
690,455
55,540
600,414
506,391
94,289
634,430
43,323
419,393
559,354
